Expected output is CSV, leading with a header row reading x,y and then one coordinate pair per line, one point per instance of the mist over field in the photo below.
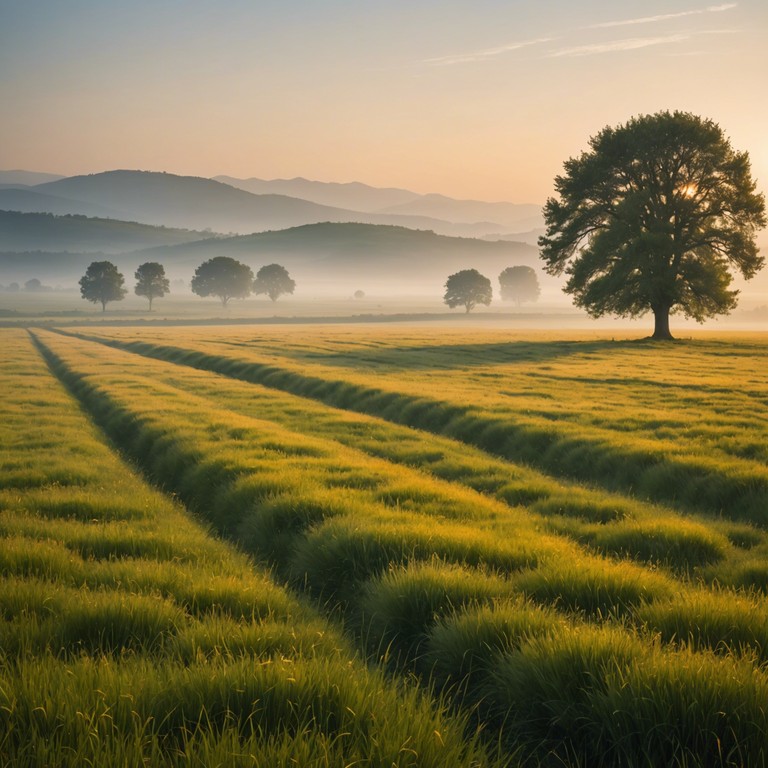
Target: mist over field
x,y
182,222
393,248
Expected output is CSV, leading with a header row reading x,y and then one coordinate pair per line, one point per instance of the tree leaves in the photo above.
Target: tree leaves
x,y
654,217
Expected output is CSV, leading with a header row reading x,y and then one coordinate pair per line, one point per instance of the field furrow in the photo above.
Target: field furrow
x,y
703,451
559,649
714,550
131,636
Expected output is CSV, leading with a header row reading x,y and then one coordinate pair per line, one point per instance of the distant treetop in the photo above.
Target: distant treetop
x,y
273,280
467,288
223,277
102,283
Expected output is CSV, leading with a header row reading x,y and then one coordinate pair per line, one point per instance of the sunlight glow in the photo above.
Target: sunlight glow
x,y
688,190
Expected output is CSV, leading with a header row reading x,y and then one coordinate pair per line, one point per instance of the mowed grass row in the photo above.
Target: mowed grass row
x,y
678,425
717,551
130,636
457,586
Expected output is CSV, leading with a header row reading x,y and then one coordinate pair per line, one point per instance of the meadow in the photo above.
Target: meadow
x,y
551,549
131,635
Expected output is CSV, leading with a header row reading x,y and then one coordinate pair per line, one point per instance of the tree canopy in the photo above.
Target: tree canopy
x,y
223,277
273,280
151,281
102,283
519,284
653,218
467,288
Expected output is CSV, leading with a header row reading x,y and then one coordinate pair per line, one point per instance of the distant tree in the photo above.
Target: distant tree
x,y
12,287
653,218
273,280
33,285
466,289
102,283
151,281
223,277
519,284
359,294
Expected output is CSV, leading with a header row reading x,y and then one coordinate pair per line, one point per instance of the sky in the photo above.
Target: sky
x,y
478,99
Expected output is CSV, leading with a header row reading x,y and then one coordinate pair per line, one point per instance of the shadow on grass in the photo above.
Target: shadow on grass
x,y
449,356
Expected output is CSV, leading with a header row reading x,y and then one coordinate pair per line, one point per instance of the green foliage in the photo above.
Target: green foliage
x,y
273,280
223,277
467,288
102,283
653,218
519,284
151,281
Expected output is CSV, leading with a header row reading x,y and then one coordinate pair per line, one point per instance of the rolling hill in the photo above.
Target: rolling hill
x,y
30,200
186,202
46,232
190,202
353,195
26,178
325,257
372,257
486,217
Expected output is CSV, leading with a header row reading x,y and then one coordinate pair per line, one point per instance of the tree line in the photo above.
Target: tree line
x,y
226,278
468,288
222,276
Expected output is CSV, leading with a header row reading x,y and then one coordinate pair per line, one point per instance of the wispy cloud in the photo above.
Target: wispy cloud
x,y
633,43
664,16
463,58
628,44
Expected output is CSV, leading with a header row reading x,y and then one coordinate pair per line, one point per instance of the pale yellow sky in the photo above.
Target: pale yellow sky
x,y
481,99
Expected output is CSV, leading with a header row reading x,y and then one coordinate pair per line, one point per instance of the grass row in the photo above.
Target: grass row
x,y
464,595
664,439
129,635
721,551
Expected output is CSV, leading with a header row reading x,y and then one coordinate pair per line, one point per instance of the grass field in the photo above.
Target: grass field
x,y
562,538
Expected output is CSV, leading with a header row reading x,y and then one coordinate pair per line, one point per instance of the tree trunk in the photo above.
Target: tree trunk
x,y
661,324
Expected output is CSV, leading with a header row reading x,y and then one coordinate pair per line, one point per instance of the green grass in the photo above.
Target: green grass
x,y
604,698
652,533
130,635
420,550
696,439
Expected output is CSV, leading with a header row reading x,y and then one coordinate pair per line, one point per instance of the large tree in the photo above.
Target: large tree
x,y
466,289
653,218
519,284
223,277
151,281
102,283
273,280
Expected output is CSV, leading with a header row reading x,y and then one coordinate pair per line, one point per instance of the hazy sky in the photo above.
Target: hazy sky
x,y
471,98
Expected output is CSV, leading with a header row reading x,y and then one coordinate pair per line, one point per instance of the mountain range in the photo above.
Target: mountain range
x,y
196,203
329,236
509,217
